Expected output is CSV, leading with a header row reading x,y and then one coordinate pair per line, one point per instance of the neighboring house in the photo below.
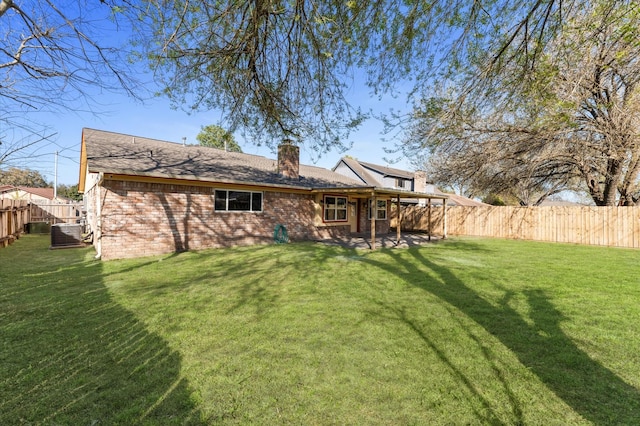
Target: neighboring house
x,y
388,177
25,193
147,197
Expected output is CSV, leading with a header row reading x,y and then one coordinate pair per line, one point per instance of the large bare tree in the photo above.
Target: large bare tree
x,y
597,93
573,115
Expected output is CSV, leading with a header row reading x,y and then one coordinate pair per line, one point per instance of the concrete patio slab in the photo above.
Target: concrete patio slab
x,y
363,241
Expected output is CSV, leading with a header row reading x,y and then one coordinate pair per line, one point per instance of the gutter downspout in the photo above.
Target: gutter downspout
x,y
98,234
374,202
399,224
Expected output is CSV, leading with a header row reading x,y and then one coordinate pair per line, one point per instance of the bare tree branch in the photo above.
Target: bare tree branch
x,y
52,58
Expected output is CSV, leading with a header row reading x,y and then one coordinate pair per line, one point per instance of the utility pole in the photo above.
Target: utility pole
x,y
55,176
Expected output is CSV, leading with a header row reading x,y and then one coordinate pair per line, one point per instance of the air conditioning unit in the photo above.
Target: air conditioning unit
x,y
65,235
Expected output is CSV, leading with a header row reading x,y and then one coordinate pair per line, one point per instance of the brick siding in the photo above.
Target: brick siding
x,y
143,219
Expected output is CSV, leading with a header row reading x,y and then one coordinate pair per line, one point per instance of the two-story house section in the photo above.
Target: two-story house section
x,y
373,174
389,177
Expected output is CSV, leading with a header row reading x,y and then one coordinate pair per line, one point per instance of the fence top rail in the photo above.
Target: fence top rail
x,y
14,208
77,206
8,204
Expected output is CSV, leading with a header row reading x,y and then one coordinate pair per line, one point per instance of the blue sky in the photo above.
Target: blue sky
x,y
156,119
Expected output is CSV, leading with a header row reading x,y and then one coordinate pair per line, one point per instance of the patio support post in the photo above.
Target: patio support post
x,y
399,224
444,218
374,203
429,218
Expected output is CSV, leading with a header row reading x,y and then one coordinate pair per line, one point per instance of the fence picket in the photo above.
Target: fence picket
x,y
56,212
606,226
14,214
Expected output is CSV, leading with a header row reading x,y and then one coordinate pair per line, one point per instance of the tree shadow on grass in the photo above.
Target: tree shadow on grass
x,y
269,265
71,355
591,389
485,411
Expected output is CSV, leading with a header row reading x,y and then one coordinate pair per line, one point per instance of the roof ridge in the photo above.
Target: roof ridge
x,y
381,168
360,171
173,144
46,192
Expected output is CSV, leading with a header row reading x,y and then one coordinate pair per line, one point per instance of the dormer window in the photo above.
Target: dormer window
x,y
401,183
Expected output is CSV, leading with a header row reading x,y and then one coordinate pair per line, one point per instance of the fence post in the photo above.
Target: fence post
x,y
444,218
429,218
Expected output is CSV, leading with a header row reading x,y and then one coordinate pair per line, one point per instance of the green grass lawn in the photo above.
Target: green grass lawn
x,y
465,331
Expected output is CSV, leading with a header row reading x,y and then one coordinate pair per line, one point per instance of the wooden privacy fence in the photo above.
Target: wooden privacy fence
x,y
14,214
604,226
53,213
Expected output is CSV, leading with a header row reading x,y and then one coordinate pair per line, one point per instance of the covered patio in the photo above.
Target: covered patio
x,y
373,241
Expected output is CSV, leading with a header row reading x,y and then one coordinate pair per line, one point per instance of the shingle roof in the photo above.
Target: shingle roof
x,y
388,171
40,192
459,200
118,153
360,171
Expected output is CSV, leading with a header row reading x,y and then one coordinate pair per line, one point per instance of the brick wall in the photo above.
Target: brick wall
x,y
143,219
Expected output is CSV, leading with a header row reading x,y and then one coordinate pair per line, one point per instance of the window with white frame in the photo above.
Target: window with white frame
x,y
380,211
335,208
237,201
401,183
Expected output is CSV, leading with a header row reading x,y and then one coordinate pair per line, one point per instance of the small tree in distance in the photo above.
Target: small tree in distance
x,y
216,137
23,177
69,191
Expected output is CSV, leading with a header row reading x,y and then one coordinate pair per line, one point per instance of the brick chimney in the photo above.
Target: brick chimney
x,y
420,184
289,160
420,181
